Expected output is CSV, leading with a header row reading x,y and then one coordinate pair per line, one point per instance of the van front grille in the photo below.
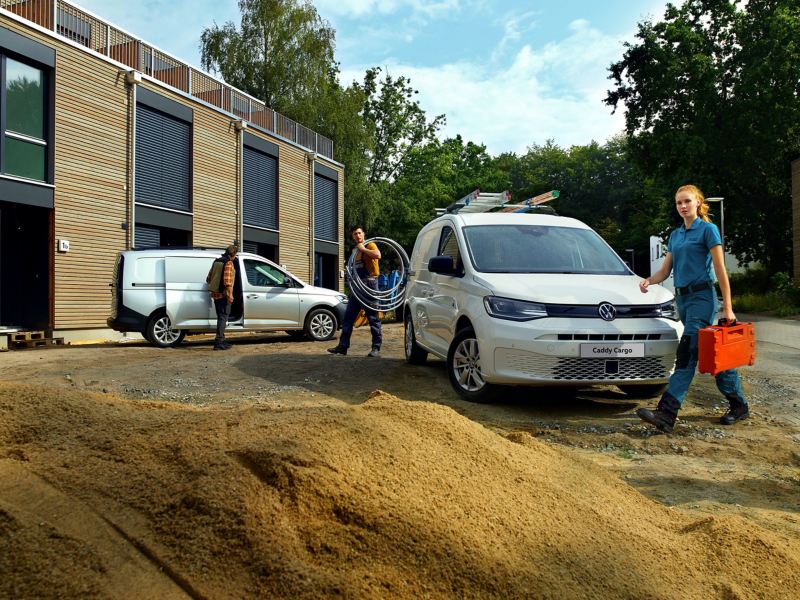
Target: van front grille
x,y
608,337
648,367
559,368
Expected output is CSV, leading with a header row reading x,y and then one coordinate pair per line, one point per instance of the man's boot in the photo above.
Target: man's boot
x,y
738,410
663,417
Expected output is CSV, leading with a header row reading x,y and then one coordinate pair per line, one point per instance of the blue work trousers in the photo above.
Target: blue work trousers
x,y
697,310
354,306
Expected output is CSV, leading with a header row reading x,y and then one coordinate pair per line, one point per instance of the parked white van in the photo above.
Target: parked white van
x,y
534,299
163,295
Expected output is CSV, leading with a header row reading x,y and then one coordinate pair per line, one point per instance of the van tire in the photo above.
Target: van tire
x,y
414,354
463,362
321,325
160,333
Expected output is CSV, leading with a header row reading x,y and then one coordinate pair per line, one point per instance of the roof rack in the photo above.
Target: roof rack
x,y
479,202
216,248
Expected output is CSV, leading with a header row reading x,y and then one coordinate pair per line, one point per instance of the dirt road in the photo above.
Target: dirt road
x,y
267,470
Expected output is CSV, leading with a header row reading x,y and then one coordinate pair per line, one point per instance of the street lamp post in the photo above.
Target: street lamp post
x,y
633,264
721,225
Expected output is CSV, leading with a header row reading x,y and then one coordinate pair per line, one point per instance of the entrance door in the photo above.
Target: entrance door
x,y
24,266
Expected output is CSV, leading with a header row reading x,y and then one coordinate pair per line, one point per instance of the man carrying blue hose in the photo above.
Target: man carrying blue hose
x,y
367,270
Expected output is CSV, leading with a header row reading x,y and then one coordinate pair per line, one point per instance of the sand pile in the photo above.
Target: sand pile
x,y
101,496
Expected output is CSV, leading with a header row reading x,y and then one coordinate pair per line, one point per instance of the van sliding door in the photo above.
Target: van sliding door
x,y
188,301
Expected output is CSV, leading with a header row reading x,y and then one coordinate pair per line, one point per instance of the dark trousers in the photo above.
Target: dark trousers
x,y
223,309
354,306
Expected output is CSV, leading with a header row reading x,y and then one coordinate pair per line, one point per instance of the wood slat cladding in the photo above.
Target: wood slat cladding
x,y
91,196
90,175
293,211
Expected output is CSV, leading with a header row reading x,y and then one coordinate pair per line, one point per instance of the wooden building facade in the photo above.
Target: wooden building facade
x,y
98,157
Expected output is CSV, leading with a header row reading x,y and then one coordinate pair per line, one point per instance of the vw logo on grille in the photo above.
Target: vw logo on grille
x,y
607,311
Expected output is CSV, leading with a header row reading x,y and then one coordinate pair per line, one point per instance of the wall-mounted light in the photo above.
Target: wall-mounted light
x,y
133,77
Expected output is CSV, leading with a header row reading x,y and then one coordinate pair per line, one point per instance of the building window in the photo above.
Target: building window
x,y
260,187
325,209
163,159
25,132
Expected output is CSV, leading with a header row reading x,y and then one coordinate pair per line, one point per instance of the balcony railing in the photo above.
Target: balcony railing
x,y
83,28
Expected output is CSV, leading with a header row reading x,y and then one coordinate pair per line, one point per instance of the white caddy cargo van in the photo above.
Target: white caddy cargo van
x,y
163,295
534,299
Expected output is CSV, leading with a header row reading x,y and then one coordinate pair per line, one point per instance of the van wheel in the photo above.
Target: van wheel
x,y
320,324
414,354
644,392
160,332
464,368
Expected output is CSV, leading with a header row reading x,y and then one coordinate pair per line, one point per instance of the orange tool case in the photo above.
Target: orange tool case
x,y
723,347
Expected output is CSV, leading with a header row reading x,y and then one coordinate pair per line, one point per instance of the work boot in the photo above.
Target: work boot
x,y
663,417
738,410
374,353
222,347
338,350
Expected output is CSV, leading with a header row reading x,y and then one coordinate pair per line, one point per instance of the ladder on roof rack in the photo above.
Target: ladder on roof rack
x,y
479,202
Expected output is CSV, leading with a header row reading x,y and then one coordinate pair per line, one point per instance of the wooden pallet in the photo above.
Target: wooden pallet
x,y
35,343
25,336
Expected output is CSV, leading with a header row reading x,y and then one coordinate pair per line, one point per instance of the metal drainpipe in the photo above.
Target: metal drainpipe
x,y
311,157
132,84
241,126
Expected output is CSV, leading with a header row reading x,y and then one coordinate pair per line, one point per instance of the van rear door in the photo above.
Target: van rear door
x,y
189,304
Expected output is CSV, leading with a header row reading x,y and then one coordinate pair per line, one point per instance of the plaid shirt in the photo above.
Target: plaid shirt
x,y
227,283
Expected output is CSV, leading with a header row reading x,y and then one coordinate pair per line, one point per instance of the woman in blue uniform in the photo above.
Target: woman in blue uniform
x,y
692,250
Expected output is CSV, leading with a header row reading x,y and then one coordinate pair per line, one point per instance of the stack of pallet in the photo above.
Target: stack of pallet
x,y
32,339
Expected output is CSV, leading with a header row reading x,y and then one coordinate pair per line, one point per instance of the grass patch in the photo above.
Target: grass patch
x,y
772,302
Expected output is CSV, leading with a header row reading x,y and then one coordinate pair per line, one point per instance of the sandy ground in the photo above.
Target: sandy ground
x,y
276,470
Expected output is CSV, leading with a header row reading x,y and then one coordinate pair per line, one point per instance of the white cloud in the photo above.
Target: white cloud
x,y
555,92
362,8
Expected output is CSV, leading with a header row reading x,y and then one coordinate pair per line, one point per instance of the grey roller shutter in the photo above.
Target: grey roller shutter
x,y
325,209
260,186
147,237
163,159
251,247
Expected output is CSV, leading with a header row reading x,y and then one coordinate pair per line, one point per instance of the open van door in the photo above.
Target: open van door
x,y
189,303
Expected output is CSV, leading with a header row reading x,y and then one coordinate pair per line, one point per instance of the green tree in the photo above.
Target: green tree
x,y
710,97
396,121
281,53
433,176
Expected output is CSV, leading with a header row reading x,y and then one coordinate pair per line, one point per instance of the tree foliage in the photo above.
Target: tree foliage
x,y
282,52
711,97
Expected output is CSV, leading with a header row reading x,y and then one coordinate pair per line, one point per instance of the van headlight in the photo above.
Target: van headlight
x,y
668,310
513,310
342,298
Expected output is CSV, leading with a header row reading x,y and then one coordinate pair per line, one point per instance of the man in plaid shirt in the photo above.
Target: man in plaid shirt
x,y
220,283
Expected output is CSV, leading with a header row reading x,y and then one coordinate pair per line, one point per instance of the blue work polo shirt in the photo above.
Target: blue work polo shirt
x,y
691,256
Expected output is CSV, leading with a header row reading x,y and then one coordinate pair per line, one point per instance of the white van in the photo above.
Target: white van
x,y
163,295
534,299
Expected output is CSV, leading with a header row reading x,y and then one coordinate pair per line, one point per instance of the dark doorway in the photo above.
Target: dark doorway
x,y
325,273
24,266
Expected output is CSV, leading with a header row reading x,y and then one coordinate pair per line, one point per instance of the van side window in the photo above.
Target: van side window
x,y
263,274
424,249
448,246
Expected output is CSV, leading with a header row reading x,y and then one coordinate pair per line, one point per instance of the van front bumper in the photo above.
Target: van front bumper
x,y
536,353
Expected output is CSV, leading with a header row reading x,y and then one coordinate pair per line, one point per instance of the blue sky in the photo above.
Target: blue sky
x,y
506,74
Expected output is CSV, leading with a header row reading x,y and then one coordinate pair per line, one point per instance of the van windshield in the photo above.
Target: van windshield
x,y
540,249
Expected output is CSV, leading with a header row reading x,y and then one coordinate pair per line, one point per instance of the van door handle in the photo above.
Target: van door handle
x,y
252,296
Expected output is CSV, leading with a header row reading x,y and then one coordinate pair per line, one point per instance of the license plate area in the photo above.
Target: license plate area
x,y
612,351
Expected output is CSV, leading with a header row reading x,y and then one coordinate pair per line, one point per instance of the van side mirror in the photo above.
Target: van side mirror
x,y
442,265
287,281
